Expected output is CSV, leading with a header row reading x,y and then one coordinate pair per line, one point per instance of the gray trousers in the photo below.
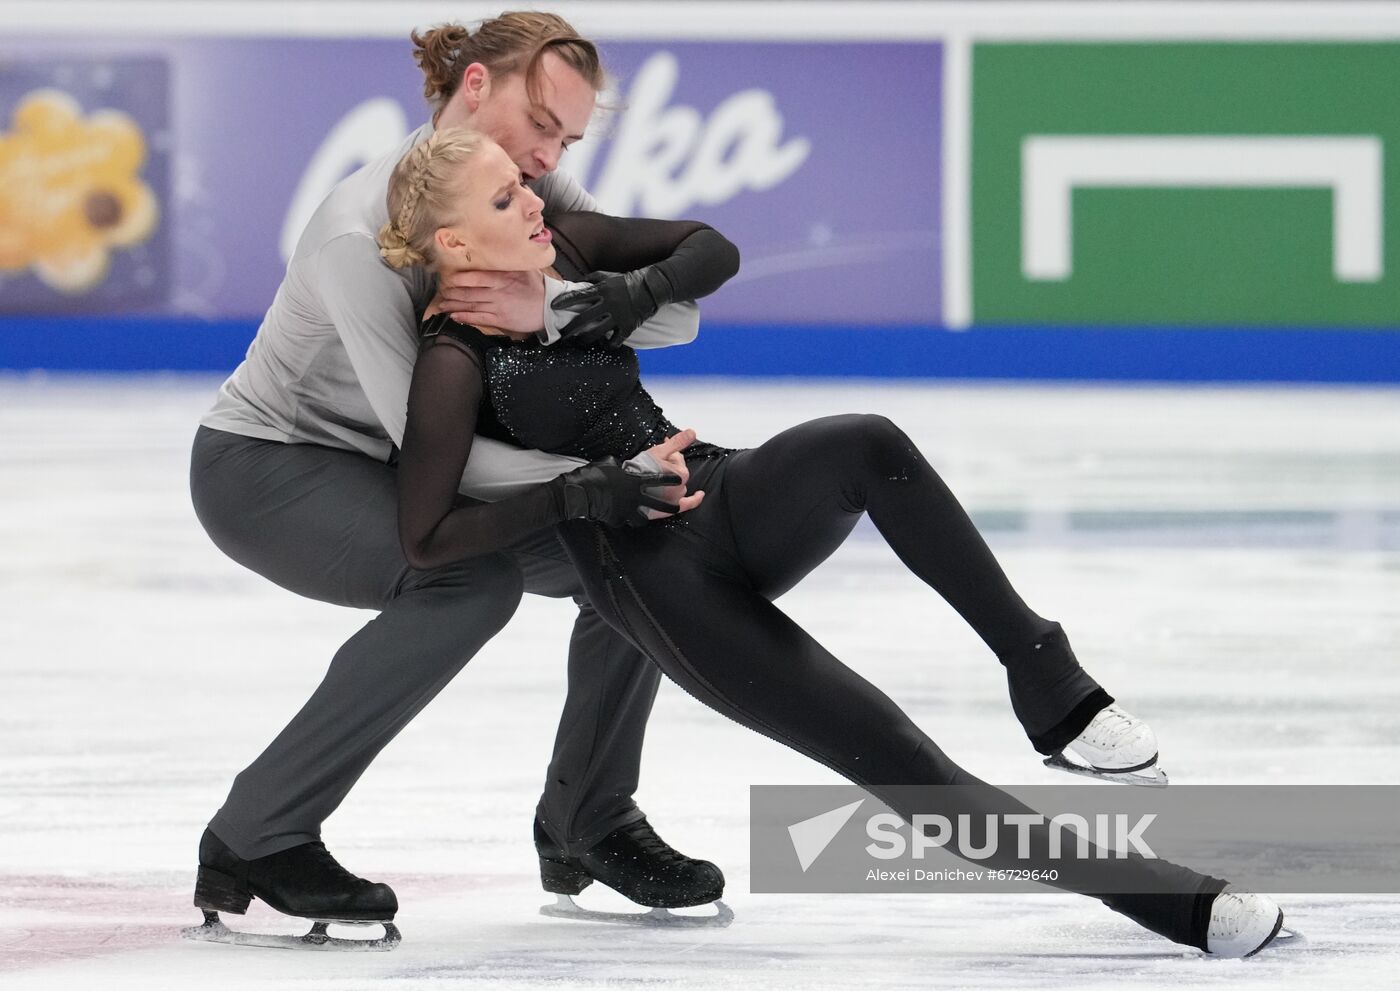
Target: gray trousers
x,y
324,523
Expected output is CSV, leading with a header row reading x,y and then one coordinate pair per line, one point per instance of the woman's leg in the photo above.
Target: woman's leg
x,y
694,612
793,500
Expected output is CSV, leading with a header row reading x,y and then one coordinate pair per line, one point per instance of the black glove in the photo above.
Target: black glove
x,y
611,494
615,305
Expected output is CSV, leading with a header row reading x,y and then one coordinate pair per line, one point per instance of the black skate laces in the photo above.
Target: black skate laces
x,y
642,834
323,860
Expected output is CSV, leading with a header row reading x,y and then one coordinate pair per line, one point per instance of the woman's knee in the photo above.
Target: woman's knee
x,y
885,449
880,431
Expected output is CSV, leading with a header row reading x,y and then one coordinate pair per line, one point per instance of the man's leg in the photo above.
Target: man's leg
x,y
587,825
598,750
323,523
597,758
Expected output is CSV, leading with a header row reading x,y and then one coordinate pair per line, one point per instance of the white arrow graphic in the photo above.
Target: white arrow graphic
x,y
811,836
1053,165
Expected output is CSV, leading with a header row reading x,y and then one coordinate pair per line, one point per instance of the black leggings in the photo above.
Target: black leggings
x,y
695,593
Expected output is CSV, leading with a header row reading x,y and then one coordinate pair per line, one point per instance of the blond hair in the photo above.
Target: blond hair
x,y
513,42
421,193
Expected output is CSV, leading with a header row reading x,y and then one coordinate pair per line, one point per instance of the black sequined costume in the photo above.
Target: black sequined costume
x,y
695,591
592,397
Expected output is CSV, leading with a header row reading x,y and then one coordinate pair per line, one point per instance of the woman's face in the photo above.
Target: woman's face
x,y
500,225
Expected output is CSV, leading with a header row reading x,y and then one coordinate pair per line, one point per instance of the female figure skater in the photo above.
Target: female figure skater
x,y
695,590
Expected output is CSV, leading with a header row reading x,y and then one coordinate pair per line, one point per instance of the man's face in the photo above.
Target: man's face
x,y
535,135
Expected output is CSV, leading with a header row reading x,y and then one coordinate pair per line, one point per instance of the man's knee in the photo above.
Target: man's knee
x,y
507,587
491,582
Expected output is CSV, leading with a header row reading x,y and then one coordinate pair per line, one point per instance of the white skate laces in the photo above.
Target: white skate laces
x,y
1116,746
1242,924
1116,741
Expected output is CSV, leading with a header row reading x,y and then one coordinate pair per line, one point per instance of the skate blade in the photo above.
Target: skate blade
x,y
1144,777
660,918
214,931
1283,938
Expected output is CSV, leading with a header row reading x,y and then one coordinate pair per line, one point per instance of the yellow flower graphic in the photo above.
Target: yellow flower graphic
x,y
70,190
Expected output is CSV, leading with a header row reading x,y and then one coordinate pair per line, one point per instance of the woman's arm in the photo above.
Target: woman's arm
x,y
637,266
443,401
675,323
695,258
435,529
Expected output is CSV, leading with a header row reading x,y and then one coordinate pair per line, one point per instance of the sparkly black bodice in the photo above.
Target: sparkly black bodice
x,y
581,401
585,402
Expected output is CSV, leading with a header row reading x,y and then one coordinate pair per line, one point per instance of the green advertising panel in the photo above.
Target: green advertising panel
x,y
1200,184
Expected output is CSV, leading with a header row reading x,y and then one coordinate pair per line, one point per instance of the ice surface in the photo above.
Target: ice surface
x,y
1227,561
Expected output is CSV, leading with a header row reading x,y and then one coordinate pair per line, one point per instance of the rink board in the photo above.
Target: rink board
x,y
1142,354
898,205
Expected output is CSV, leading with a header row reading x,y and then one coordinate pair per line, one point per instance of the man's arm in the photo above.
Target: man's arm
x,y
497,470
374,315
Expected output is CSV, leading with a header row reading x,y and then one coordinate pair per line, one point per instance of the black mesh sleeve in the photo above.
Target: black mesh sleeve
x,y
695,258
435,527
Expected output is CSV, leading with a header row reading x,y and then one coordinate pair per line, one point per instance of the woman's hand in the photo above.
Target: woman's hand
x,y
668,456
616,304
511,301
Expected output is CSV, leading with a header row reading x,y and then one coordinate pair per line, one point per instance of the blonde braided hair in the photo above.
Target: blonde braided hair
x,y
421,193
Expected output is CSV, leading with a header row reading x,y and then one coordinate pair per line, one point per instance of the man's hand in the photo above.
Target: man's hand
x,y
668,456
511,301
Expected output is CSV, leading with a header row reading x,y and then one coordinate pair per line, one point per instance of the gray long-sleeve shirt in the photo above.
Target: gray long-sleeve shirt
x,y
332,361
